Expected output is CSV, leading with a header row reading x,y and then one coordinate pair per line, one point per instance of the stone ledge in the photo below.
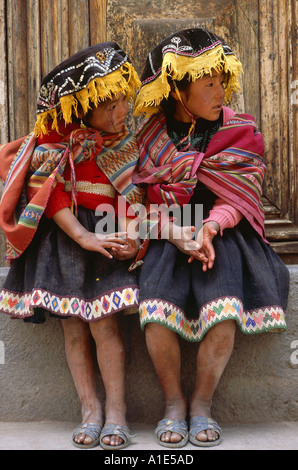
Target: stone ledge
x,y
259,384
57,436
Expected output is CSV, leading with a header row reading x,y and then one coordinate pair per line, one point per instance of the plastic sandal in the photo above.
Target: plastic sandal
x,y
111,429
178,426
201,423
92,430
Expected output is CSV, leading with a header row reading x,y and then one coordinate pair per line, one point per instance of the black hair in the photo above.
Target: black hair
x,y
169,104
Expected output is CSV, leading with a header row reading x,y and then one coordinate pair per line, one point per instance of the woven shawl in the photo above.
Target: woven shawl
x,y
31,172
232,166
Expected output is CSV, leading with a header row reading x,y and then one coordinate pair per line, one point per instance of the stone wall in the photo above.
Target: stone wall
x,y
259,385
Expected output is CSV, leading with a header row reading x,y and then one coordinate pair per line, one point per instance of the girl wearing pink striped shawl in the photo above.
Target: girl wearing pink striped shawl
x,y
196,152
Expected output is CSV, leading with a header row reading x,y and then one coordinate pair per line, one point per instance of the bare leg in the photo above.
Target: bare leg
x,y
164,350
111,361
213,356
80,361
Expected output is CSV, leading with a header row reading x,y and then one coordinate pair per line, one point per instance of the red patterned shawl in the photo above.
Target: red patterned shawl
x,y
31,171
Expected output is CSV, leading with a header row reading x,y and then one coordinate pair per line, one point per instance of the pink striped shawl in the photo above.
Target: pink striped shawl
x,y
232,166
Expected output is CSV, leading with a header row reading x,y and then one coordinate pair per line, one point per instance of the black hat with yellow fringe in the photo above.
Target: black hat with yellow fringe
x,y
193,53
90,76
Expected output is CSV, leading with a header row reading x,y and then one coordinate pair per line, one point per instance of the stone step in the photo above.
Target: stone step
x,y
259,384
57,436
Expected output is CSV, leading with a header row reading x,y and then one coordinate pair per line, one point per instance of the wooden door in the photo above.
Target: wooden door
x,y
35,35
262,34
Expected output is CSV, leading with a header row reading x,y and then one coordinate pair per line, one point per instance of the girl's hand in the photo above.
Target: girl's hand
x,y
102,243
88,240
206,253
128,251
181,237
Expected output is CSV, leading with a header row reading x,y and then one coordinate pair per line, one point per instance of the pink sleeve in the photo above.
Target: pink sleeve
x,y
224,214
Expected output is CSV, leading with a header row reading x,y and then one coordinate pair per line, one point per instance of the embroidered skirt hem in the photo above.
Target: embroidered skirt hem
x,y
248,283
25,305
266,319
56,275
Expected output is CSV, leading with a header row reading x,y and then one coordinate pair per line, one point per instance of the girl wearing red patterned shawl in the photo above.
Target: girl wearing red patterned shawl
x,y
196,152
79,158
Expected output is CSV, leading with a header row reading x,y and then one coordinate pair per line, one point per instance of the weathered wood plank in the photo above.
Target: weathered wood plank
x,y
270,96
78,25
293,107
54,33
17,67
247,21
49,55
64,29
98,21
34,69
4,123
284,34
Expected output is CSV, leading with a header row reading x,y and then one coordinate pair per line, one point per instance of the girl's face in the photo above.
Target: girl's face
x,y
203,98
109,116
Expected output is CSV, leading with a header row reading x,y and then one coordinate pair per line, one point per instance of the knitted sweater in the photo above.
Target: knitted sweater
x,y
224,214
92,188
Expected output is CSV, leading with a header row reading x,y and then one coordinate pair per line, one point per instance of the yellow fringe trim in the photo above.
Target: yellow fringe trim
x,y
177,66
123,80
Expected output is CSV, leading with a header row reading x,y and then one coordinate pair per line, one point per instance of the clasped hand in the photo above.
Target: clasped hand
x,y
114,245
201,248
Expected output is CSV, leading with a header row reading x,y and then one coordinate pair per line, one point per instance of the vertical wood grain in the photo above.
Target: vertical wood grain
x,y
98,21
17,67
293,105
50,34
4,123
275,57
284,33
34,68
270,94
64,28
247,15
78,25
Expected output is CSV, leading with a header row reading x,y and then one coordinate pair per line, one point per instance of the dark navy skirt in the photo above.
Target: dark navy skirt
x,y
55,274
248,283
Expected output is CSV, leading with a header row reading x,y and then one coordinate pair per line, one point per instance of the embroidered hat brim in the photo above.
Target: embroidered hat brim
x,y
90,76
192,52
